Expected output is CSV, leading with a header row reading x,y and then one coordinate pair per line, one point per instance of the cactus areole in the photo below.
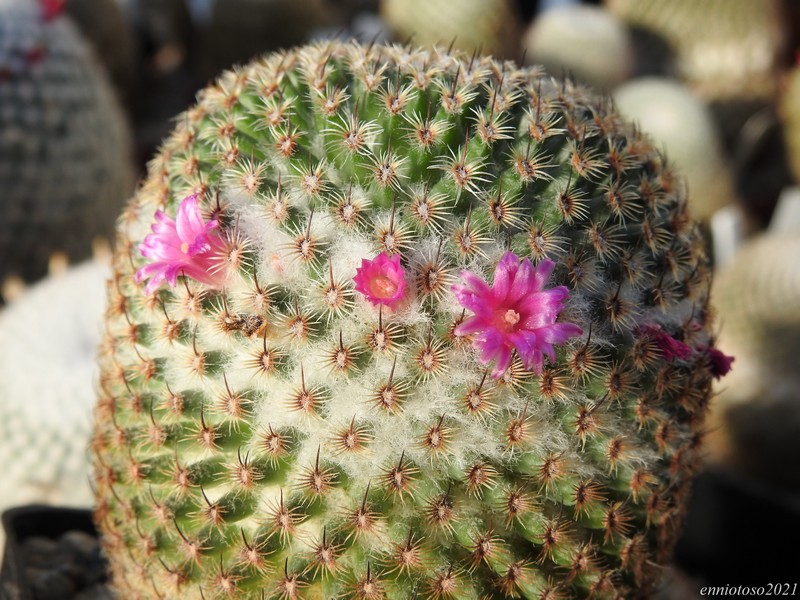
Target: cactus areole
x,y
390,323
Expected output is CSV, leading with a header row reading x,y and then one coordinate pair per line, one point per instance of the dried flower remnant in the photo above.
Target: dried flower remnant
x,y
515,314
719,363
671,348
184,246
382,280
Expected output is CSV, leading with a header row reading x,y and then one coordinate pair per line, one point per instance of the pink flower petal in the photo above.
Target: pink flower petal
x,y
381,280
515,314
186,246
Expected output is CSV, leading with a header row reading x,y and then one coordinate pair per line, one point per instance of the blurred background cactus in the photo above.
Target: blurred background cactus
x,y
790,115
684,128
724,49
582,41
65,160
474,26
50,334
756,424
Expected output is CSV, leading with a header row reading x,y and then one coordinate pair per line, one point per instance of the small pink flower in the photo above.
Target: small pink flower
x,y
719,363
381,280
186,246
515,313
52,9
669,346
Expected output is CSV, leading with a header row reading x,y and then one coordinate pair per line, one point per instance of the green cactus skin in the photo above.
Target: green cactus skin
x,y
490,26
65,166
282,438
723,49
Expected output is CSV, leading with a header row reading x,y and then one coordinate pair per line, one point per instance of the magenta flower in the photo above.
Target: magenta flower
x,y
669,346
515,313
381,280
186,246
719,363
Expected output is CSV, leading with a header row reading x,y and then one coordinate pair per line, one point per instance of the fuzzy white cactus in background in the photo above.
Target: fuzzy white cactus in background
x,y
48,342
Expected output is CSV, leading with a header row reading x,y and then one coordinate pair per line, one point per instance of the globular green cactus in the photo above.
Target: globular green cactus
x,y
685,129
790,115
305,414
53,327
65,167
474,26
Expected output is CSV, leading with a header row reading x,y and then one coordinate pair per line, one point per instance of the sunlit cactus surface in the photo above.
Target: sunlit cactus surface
x,y
393,323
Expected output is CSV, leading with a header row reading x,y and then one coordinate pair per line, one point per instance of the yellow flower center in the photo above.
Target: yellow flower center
x,y
506,321
185,247
382,287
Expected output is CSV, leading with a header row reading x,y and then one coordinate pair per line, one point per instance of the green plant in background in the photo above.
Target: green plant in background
x,y
790,115
685,129
474,26
65,165
48,365
396,323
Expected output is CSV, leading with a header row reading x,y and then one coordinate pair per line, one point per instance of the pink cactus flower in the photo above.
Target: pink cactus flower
x,y
719,363
671,348
186,246
515,313
52,9
382,280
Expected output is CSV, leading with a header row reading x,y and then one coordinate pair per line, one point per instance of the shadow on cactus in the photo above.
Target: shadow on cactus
x,y
419,324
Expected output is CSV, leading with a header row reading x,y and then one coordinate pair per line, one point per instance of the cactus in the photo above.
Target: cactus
x,y
309,391
65,165
723,49
755,418
790,115
52,328
685,128
490,26
585,41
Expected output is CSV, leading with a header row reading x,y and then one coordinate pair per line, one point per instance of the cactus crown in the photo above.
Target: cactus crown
x,y
271,430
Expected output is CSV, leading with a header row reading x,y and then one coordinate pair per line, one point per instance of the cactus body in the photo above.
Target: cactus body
x,y
489,26
64,145
54,327
272,431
